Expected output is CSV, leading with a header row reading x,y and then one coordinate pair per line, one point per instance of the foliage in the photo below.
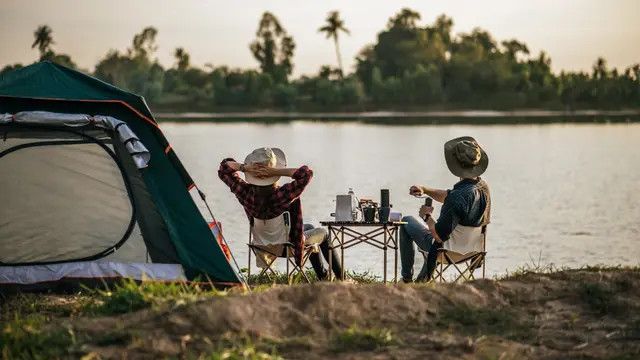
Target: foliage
x,y
603,298
273,48
43,40
473,70
409,64
128,296
242,350
358,339
482,320
334,25
28,338
134,70
281,278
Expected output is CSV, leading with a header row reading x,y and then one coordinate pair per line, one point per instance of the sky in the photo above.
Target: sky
x,y
573,32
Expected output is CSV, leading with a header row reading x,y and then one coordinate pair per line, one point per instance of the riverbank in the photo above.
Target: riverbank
x,y
590,313
458,116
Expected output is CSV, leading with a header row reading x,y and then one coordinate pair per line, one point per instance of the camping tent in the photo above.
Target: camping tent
x,y
91,189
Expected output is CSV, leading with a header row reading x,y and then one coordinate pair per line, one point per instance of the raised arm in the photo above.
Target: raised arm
x,y
301,178
437,194
228,173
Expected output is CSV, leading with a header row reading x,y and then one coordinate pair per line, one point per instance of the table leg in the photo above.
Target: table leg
x,y
342,253
330,250
395,261
384,249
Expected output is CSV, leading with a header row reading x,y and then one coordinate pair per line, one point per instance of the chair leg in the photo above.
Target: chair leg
x,y
484,262
249,264
288,252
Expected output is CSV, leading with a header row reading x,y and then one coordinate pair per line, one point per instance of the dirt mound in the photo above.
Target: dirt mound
x,y
574,314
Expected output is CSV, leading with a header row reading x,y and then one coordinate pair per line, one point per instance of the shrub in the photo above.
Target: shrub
x,y
357,339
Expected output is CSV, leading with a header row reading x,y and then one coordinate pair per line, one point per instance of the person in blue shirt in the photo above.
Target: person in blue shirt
x,y
467,204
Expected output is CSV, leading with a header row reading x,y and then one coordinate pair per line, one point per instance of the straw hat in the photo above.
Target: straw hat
x,y
272,157
465,158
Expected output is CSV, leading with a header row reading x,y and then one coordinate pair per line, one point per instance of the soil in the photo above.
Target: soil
x,y
573,314
578,314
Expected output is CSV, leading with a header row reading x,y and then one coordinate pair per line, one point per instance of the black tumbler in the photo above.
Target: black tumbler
x,y
384,198
385,206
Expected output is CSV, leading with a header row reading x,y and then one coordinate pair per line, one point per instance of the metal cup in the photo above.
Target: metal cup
x,y
383,214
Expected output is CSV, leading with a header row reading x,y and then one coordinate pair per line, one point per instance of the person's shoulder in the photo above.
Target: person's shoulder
x,y
483,184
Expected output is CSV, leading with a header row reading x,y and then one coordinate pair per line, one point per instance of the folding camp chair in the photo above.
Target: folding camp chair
x,y
269,240
464,254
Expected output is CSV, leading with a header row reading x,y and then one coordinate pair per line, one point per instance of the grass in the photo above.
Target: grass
x,y
281,278
481,321
26,337
358,339
602,298
244,351
538,268
49,305
129,296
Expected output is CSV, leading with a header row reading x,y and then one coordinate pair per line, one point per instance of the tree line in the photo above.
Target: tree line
x,y
409,66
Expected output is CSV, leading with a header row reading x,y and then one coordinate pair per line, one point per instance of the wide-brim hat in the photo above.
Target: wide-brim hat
x,y
465,157
272,157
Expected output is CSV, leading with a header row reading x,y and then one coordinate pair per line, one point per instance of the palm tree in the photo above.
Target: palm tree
x,y
43,40
182,58
332,29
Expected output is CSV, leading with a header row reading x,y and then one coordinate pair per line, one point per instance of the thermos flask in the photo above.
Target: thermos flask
x,y
385,206
428,202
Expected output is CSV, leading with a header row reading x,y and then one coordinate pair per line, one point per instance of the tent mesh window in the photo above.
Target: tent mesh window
x,y
65,198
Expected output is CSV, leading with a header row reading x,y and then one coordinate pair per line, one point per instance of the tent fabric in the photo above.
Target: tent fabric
x,y
134,146
62,200
27,275
49,87
157,241
46,80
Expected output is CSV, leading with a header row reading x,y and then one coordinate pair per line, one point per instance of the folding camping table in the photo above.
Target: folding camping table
x,y
346,234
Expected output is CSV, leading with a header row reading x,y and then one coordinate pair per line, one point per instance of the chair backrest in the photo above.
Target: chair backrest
x,y
467,239
272,231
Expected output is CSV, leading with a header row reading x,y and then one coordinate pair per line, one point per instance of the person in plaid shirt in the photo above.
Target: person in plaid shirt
x,y
262,198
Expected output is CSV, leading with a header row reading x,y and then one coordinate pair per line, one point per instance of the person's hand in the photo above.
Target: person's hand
x,y
258,170
416,190
424,210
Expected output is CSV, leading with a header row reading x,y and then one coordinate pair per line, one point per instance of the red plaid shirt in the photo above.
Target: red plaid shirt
x,y
284,198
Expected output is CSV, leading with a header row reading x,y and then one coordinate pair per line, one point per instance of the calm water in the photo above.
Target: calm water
x,y
562,194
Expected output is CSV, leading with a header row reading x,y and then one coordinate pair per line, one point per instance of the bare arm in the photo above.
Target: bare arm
x,y
432,228
261,170
282,172
437,194
235,166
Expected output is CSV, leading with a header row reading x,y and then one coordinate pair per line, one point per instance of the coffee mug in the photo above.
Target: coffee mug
x,y
369,214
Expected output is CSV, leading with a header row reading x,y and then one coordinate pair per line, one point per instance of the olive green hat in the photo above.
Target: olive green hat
x,y
465,158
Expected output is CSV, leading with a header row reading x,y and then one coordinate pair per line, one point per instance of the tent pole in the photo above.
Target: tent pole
x,y
204,199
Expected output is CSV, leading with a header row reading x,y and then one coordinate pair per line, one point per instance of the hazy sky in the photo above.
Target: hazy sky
x,y
573,32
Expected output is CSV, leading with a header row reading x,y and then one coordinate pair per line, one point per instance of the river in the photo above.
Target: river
x,y
563,194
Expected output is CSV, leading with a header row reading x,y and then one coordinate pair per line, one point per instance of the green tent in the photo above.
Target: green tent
x,y
87,178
